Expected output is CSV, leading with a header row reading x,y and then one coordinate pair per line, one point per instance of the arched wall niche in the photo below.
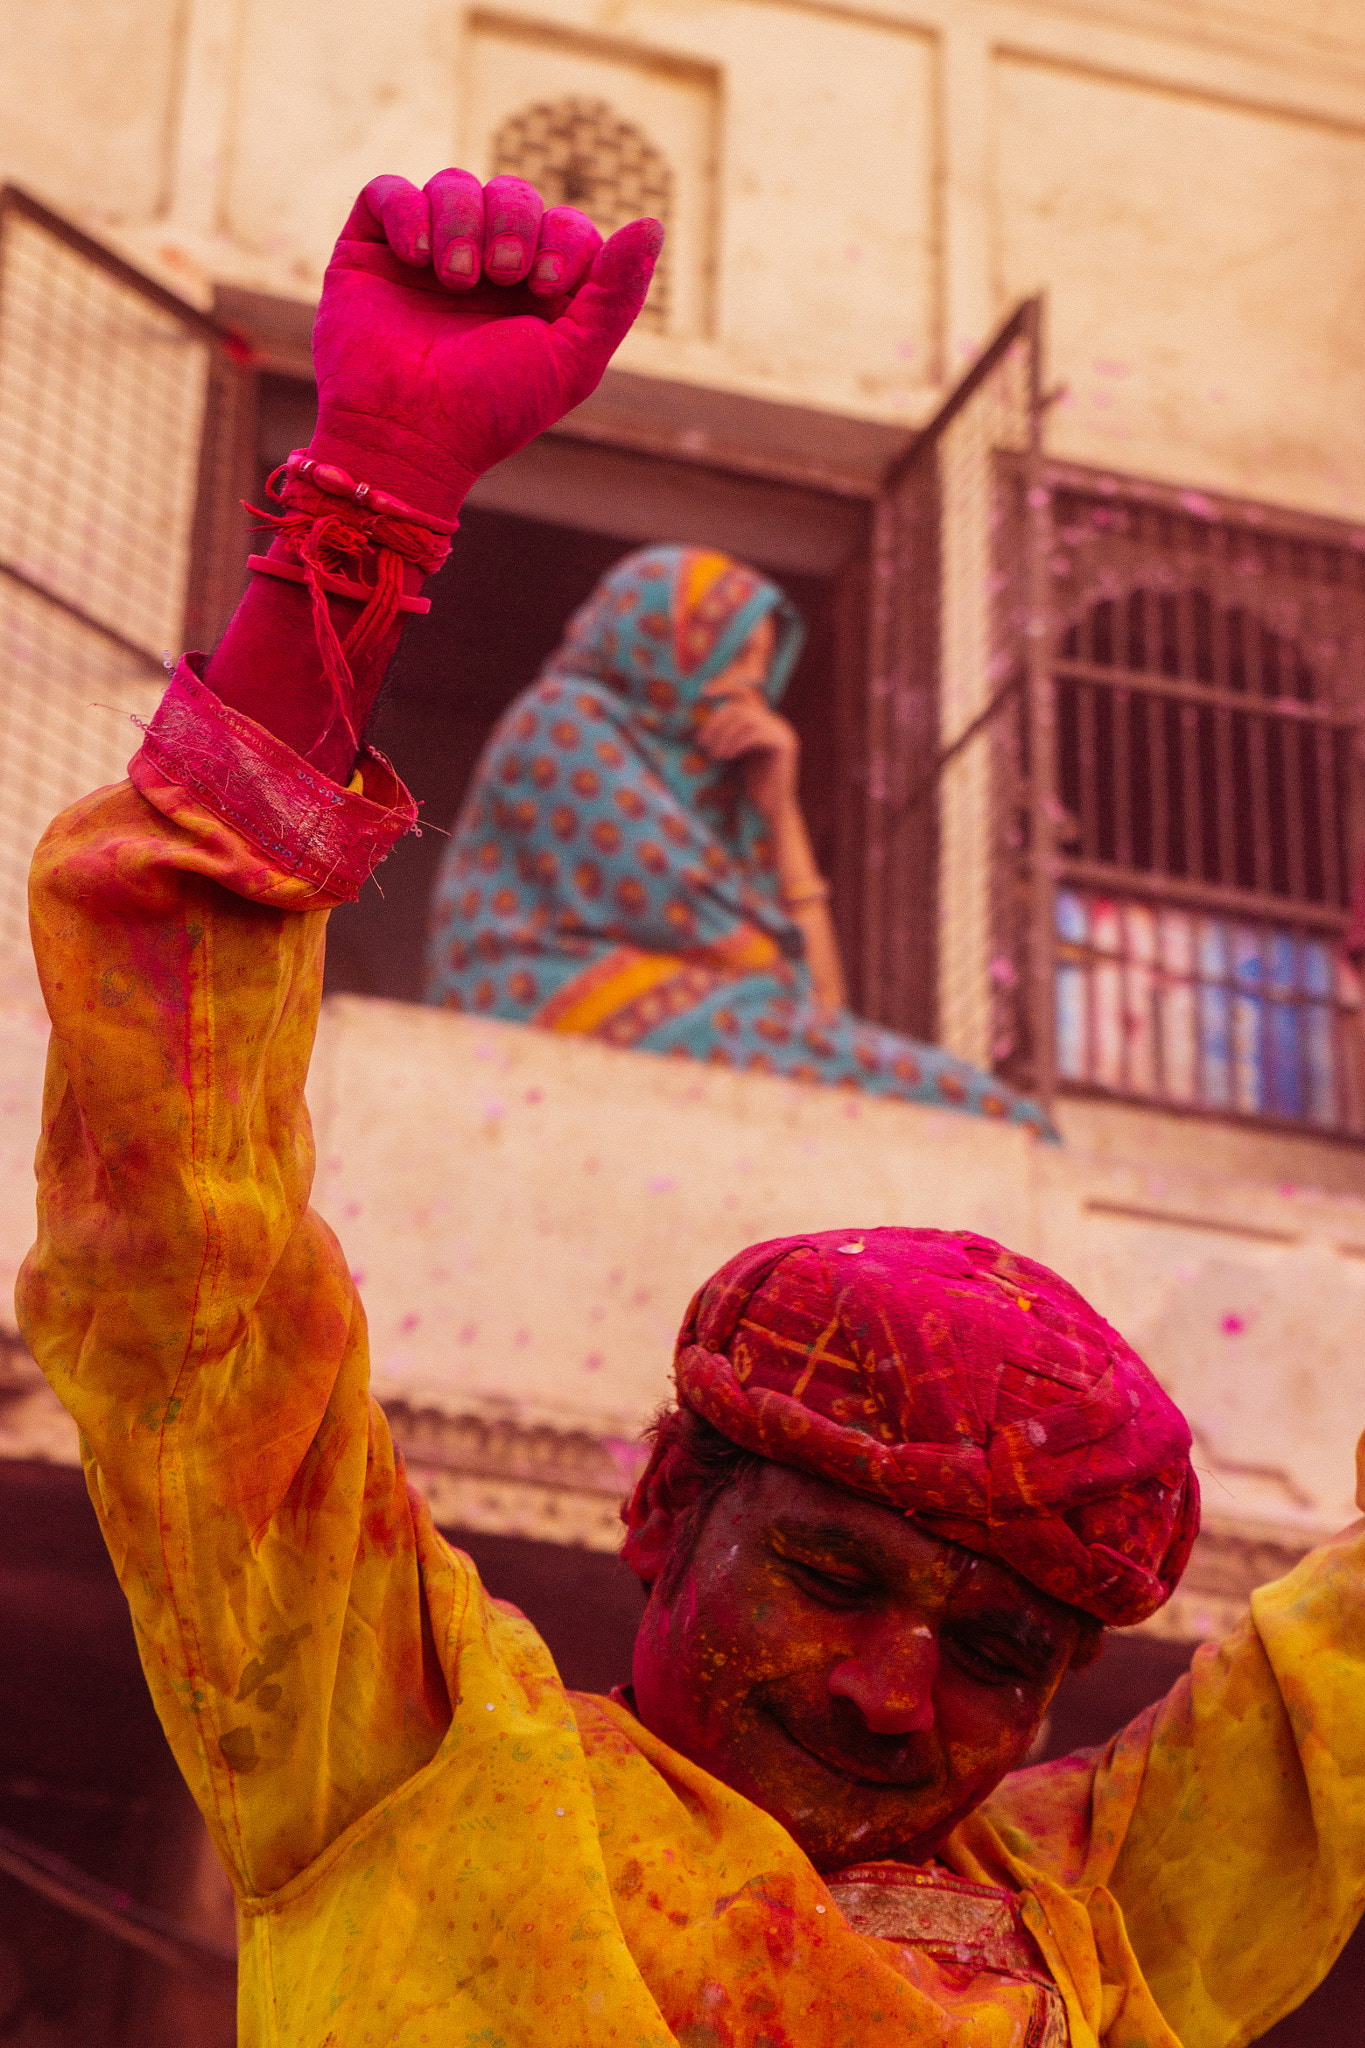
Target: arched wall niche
x,y
614,127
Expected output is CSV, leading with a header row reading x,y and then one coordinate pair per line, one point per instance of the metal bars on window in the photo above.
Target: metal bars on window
x,y
1208,670
1114,775
123,415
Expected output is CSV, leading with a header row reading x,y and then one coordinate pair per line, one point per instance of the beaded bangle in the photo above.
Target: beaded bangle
x,y
327,477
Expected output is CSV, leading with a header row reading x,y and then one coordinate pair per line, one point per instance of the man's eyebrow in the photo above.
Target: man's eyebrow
x,y
1029,1631
835,1539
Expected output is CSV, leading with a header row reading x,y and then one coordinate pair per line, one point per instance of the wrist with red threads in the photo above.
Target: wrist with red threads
x,y
311,641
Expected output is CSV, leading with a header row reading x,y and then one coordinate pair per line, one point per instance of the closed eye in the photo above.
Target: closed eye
x,y
832,1587
994,1660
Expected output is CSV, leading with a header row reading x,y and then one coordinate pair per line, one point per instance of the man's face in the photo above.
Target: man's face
x,y
864,1683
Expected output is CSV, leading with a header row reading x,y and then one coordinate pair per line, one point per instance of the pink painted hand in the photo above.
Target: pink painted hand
x,y
458,322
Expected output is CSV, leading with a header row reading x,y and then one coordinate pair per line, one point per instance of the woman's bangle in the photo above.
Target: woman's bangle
x,y
817,893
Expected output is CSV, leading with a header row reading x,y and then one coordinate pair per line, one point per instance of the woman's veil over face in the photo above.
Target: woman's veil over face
x,y
665,622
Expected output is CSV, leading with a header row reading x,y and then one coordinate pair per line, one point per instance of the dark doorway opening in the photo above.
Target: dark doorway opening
x,y
498,610
788,490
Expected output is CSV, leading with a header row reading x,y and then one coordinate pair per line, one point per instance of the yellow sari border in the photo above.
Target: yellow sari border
x,y
628,994
588,1002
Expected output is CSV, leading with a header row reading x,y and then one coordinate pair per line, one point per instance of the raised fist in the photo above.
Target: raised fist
x,y
458,322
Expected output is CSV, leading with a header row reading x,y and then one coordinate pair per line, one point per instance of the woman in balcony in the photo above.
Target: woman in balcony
x,y
632,862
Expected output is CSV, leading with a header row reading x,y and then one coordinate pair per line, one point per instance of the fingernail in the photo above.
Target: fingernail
x,y
461,260
505,254
421,245
549,268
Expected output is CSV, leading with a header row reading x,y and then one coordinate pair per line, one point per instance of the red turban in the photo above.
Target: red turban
x,y
967,1386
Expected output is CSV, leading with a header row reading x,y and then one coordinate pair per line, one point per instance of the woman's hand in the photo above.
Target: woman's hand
x,y
744,728
458,322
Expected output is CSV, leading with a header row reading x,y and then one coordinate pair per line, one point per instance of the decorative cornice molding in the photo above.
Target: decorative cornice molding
x,y
504,1477
1266,33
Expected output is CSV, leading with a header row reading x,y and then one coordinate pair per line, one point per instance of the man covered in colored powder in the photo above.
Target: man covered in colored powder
x,y
909,1478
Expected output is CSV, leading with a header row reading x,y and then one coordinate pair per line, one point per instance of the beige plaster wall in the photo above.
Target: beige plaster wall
x,y
527,1217
89,94
862,189
530,1215
867,188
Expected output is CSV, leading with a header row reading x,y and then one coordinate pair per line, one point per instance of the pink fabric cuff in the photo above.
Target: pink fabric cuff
x,y
307,827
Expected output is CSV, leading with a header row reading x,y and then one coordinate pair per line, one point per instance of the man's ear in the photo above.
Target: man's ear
x,y
647,1545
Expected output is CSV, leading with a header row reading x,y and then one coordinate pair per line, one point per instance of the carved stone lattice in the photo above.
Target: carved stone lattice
x,y
578,152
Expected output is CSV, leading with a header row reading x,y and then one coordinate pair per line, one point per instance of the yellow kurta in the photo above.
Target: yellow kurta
x,y
431,1840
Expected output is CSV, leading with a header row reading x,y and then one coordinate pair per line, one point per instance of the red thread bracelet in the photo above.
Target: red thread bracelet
x,y
330,522
339,586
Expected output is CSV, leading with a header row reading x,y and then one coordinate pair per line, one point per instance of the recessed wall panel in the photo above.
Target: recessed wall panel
x,y
324,99
1205,266
88,92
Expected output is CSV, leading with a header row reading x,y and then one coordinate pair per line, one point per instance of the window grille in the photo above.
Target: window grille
x,y
111,492
957,941
1208,678
578,152
1114,773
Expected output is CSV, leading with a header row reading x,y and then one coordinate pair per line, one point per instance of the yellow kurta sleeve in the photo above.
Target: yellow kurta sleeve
x,y
1226,1823
295,1609
423,1846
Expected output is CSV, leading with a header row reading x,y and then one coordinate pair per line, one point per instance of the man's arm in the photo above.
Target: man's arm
x,y
200,1323
1228,1820
296,1611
